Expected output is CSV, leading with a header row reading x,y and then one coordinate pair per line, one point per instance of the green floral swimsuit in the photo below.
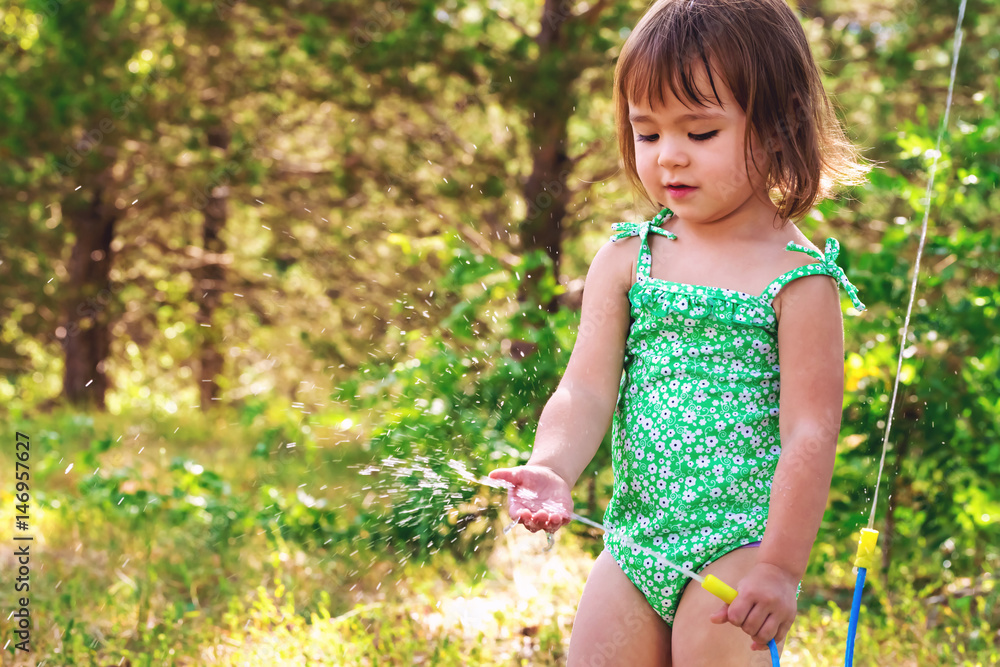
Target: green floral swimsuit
x,y
695,431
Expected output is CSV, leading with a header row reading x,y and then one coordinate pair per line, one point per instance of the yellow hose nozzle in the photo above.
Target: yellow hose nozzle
x,y
867,549
719,588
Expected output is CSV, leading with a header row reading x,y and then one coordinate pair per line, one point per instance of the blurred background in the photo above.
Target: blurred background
x,y
280,280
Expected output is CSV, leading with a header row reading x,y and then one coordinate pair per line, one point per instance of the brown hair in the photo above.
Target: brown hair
x,y
759,49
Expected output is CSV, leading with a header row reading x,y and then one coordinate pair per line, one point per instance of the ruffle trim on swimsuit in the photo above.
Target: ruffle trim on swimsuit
x,y
663,298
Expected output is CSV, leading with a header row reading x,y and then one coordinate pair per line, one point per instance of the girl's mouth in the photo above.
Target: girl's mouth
x,y
679,191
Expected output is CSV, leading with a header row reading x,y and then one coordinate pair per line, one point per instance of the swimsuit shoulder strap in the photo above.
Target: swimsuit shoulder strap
x,y
642,230
826,266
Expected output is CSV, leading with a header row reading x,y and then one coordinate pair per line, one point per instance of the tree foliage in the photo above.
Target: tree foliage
x,y
413,191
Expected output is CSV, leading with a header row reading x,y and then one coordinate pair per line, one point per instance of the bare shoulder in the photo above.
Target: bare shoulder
x,y
790,260
814,298
614,264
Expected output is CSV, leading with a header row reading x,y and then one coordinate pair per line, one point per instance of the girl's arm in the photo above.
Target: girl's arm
x,y
576,417
811,353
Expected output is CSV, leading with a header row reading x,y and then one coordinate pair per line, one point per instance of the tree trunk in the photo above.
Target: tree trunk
x,y
85,335
209,277
546,193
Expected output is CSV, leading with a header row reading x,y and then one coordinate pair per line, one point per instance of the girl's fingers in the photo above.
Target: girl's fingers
x,y
783,629
767,632
755,621
721,615
509,475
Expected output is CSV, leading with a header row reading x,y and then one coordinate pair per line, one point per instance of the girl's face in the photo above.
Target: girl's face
x,y
691,159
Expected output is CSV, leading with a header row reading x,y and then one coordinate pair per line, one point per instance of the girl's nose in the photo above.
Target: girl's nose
x,y
672,153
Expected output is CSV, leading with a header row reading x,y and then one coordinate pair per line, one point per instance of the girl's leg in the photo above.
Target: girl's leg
x,y
700,643
615,624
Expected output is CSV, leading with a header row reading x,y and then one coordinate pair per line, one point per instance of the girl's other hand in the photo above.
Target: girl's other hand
x,y
538,497
764,607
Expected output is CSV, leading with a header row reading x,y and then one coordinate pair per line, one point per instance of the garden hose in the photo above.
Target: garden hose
x,y
864,560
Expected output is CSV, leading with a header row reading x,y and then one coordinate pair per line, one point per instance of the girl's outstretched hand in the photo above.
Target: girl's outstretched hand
x,y
764,607
538,497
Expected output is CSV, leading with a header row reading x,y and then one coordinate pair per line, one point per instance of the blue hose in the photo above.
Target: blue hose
x,y
775,661
852,627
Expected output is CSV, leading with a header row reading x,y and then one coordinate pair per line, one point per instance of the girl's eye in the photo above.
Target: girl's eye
x,y
647,137
703,137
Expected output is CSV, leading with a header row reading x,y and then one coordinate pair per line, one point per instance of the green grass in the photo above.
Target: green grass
x,y
206,540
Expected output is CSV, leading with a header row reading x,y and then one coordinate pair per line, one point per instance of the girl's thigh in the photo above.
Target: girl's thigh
x,y
700,643
615,625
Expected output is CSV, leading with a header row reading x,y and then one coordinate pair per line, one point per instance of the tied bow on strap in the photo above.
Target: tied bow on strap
x,y
642,229
829,261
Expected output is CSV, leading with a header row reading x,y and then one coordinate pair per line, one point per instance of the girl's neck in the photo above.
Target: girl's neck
x,y
754,219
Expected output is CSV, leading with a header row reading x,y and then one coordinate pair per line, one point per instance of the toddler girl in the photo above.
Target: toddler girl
x,y
722,456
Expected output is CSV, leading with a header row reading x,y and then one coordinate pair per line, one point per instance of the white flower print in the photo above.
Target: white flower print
x,y
699,409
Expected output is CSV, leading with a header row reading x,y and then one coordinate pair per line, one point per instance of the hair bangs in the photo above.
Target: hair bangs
x,y
665,59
